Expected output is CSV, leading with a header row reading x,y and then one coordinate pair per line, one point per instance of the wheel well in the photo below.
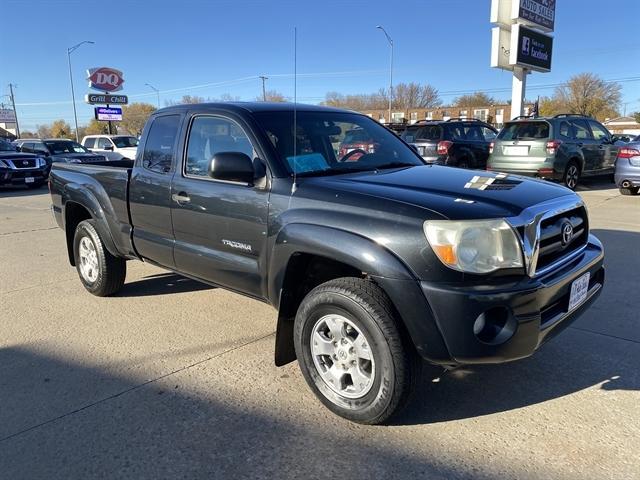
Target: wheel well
x,y
577,161
74,213
304,272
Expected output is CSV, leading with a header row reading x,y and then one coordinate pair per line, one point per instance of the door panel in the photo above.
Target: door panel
x,y
586,144
220,227
607,152
150,192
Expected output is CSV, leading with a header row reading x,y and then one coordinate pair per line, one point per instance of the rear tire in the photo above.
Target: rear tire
x,y
629,190
571,175
352,352
101,273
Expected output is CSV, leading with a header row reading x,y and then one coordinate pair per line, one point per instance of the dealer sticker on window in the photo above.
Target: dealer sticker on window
x,y
579,290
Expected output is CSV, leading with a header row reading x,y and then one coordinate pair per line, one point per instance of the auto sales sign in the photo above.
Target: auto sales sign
x,y
105,79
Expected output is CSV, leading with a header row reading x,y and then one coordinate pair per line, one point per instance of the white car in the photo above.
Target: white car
x,y
114,147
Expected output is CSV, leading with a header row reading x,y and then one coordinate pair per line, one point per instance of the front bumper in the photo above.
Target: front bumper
x,y
538,306
20,176
440,318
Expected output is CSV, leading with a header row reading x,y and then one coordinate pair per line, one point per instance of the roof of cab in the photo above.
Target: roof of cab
x,y
252,107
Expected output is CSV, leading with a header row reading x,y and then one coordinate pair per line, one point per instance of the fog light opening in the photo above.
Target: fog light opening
x,y
495,326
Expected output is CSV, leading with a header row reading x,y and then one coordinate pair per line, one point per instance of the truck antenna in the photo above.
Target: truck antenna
x,y
294,186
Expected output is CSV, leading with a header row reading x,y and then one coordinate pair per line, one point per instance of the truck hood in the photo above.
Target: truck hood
x,y
16,155
454,193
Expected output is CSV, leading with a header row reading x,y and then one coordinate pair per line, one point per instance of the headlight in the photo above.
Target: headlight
x,y
474,246
41,162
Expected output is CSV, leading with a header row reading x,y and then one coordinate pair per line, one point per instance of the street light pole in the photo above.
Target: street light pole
x,y
390,40
155,90
70,50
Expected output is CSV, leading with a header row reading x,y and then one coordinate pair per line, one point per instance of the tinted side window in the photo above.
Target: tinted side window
x,y
473,134
159,149
211,135
90,142
565,130
581,130
599,132
488,134
103,142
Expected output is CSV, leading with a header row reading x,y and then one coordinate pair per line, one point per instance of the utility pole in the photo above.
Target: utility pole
x,y
13,102
264,92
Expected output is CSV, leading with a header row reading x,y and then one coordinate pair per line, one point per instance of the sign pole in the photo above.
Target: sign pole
x,y
518,88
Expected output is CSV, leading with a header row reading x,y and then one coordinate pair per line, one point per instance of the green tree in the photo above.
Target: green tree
x,y
636,115
134,116
476,99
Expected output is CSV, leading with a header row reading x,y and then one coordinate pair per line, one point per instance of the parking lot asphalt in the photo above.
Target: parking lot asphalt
x,y
175,379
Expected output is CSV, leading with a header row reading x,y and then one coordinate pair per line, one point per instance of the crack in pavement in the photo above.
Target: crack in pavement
x,y
28,231
594,332
135,387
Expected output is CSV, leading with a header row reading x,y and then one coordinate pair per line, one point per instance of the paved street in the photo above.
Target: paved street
x,y
175,379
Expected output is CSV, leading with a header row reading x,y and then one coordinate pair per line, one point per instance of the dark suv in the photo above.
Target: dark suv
x,y
564,148
58,150
455,142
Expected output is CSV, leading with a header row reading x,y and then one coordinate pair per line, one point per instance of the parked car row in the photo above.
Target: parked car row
x,y
27,161
564,148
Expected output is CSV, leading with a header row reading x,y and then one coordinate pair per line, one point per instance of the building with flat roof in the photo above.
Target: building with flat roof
x,y
496,114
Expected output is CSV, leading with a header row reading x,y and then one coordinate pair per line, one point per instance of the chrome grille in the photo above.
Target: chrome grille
x,y
24,163
554,241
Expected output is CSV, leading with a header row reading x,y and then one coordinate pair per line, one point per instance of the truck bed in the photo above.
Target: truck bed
x,y
101,186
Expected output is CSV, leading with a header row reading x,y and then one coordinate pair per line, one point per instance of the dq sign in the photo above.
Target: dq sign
x,y
105,79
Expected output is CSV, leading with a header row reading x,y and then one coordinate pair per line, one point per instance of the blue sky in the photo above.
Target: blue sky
x,y
209,48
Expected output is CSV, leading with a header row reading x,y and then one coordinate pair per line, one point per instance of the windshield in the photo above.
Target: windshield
x,y
124,142
334,142
6,147
525,131
56,147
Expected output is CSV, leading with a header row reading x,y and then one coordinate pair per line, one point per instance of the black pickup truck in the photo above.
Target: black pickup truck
x,y
373,263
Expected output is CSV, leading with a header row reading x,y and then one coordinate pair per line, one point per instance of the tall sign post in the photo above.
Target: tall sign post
x,y
107,80
520,42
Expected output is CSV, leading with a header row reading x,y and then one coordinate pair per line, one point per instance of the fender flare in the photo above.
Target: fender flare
x,y
339,245
82,196
348,248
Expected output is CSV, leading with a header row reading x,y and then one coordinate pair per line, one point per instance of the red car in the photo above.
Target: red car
x,y
357,141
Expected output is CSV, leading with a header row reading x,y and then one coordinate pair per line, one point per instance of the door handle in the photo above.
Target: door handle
x,y
180,198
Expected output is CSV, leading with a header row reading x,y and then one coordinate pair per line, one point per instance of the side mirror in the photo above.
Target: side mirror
x,y
18,149
231,167
109,148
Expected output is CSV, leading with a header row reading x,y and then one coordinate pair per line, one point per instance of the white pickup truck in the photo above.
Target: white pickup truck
x,y
113,147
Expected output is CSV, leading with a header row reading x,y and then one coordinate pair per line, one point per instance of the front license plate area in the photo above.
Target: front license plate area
x,y
579,290
29,179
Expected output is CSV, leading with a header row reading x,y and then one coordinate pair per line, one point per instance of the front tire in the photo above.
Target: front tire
x,y
351,350
101,273
571,175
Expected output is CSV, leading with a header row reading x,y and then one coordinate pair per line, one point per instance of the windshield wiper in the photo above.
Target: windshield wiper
x,y
394,165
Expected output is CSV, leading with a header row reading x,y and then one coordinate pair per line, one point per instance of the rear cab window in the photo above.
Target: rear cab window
x,y
538,130
160,146
89,142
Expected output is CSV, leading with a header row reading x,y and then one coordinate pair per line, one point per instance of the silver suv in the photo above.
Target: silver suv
x,y
564,148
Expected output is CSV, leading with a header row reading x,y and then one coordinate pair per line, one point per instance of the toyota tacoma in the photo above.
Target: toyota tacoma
x,y
374,260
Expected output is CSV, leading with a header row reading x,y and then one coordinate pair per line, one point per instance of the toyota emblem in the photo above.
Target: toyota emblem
x,y
567,233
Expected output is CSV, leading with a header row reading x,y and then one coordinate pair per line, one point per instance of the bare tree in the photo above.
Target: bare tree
x,y
60,129
476,99
272,96
43,131
411,95
588,94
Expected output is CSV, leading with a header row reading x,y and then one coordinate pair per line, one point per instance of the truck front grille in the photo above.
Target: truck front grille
x,y
561,235
24,163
